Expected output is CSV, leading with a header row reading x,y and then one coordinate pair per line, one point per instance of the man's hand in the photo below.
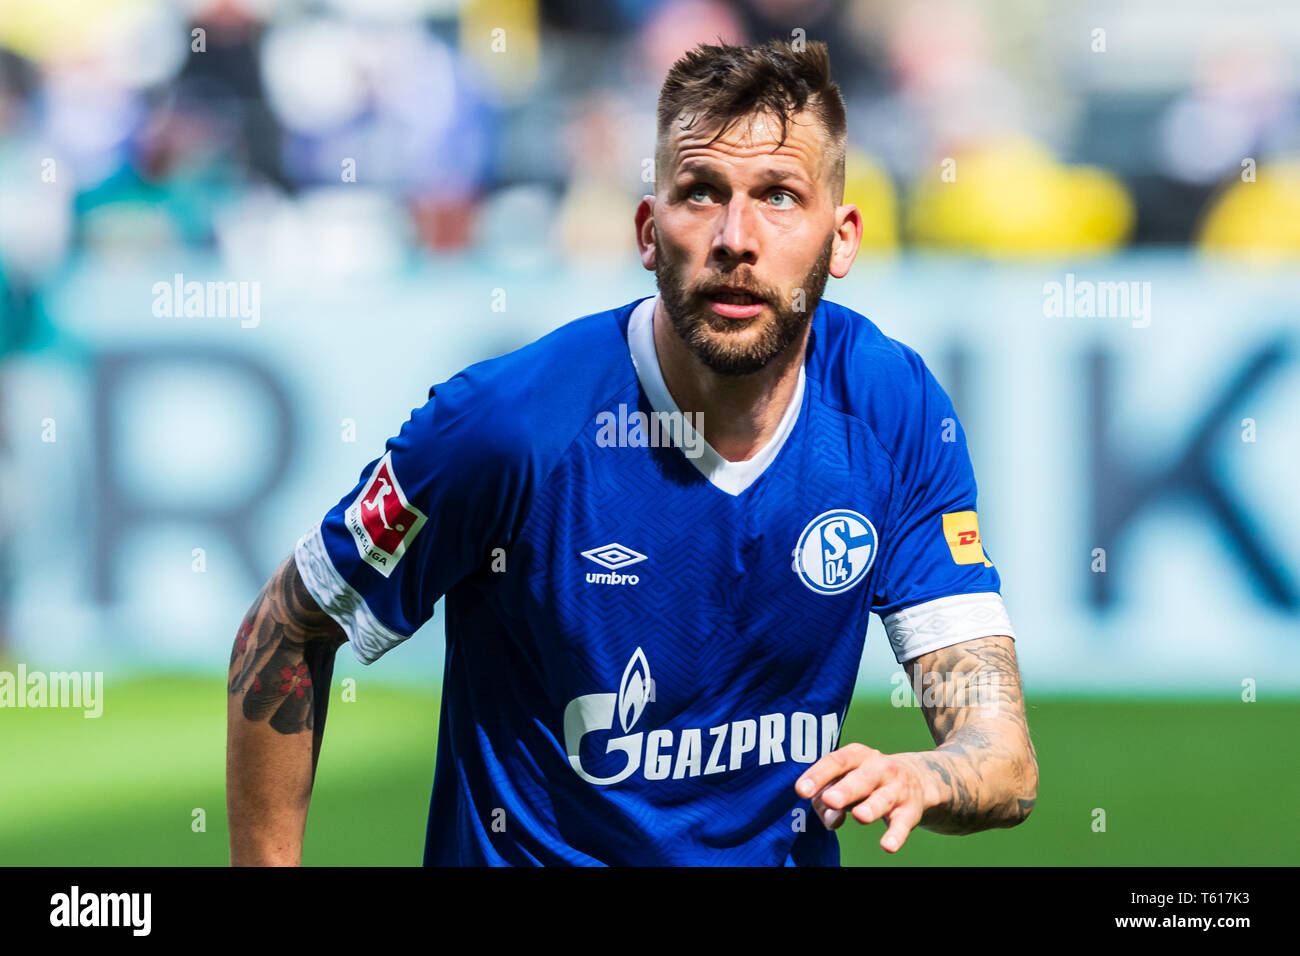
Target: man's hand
x,y
872,786
982,774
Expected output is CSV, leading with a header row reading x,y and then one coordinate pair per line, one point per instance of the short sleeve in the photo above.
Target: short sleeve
x,y
937,585
423,515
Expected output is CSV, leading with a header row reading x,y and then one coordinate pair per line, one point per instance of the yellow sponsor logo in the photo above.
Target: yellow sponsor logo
x,y
962,531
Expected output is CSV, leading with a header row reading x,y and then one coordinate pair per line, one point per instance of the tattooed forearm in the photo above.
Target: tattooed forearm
x,y
275,719
283,655
984,769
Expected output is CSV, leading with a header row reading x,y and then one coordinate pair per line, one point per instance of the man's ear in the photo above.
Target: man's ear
x,y
647,236
848,241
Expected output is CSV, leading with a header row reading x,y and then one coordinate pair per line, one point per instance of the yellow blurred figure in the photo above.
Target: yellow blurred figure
x,y
1258,221
503,38
67,29
1012,199
868,186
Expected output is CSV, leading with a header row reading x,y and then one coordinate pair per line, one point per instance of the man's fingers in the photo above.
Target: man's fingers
x,y
834,765
831,819
879,804
818,803
859,780
856,785
901,822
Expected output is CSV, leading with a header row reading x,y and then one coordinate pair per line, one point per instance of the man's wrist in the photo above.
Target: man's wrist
x,y
934,792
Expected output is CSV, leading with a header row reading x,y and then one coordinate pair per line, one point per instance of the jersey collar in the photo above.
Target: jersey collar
x,y
733,477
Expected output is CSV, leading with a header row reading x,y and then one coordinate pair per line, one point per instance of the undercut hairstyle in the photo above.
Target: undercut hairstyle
x,y
723,84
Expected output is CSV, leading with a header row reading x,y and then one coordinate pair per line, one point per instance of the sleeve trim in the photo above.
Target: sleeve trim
x,y
944,621
370,638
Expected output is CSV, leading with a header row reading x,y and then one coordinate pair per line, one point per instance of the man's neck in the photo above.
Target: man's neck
x,y
740,413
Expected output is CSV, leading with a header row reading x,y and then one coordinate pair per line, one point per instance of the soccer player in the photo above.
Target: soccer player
x,y
661,531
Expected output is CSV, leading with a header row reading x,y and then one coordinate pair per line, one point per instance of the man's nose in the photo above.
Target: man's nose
x,y
736,239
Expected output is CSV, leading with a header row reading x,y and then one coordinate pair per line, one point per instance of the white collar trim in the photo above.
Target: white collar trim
x,y
733,477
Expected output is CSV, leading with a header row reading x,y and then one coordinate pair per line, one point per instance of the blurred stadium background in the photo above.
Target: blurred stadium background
x,y
1086,216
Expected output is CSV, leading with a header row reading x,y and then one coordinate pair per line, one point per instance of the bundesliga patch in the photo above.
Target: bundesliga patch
x,y
381,520
962,532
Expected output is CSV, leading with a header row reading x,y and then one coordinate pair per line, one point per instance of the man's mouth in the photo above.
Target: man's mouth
x,y
730,297
735,303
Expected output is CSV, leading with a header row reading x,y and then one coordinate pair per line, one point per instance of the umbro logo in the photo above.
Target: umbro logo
x,y
615,557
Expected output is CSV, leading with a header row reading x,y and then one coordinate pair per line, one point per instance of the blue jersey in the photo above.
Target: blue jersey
x,y
647,644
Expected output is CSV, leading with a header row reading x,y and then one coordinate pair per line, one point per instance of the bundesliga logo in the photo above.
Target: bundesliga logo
x,y
381,520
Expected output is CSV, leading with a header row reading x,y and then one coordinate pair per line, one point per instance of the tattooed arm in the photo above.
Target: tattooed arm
x,y
278,690
983,773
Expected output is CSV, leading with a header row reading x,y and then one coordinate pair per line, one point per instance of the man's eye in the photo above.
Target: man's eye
x,y
781,199
699,193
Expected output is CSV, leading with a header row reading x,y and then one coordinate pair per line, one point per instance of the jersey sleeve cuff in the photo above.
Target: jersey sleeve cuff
x,y
944,621
370,638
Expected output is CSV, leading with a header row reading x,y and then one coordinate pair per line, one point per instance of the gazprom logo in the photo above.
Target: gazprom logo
x,y
835,551
595,712
669,754
634,690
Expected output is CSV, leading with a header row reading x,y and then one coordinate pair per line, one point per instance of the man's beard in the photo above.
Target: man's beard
x,y
706,333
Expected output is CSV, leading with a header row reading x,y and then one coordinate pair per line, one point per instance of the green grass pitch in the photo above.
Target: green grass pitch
x,y
1181,781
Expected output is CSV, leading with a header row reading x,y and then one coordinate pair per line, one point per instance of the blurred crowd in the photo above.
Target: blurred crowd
x,y
352,137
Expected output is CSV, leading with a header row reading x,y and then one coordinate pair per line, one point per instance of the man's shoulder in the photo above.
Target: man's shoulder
x,y
586,349
535,398
866,373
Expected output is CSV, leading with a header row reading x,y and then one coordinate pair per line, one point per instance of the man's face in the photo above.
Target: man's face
x,y
744,234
